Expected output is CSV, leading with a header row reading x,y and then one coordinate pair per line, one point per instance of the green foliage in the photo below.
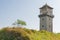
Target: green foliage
x,y
19,22
26,34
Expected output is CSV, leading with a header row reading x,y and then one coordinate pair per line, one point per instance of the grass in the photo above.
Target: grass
x,y
26,34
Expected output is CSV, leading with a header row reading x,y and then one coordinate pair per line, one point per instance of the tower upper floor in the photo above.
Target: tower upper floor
x,y
46,10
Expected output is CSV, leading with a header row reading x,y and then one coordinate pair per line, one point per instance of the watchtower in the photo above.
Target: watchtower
x,y
46,18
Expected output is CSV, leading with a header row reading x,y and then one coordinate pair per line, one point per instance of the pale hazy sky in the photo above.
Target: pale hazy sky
x,y
27,10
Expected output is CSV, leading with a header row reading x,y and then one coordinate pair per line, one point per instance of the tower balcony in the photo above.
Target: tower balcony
x,y
42,15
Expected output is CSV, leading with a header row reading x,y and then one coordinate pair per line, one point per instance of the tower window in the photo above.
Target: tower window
x,y
42,18
49,18
49,26
42,25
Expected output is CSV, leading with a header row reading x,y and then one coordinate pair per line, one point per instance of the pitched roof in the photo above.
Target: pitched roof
x,y
46,6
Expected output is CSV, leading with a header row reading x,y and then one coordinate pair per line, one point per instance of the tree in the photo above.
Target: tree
x,y
19,23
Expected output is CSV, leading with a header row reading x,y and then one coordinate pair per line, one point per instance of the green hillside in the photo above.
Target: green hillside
x,y
26,34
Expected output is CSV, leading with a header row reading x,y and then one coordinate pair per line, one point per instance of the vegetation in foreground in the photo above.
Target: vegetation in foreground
x,y
26,34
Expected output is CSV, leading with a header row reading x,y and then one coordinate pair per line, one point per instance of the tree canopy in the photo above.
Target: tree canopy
x,y
19,23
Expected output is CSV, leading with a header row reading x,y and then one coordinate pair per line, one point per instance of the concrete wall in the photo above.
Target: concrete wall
x,y
46,22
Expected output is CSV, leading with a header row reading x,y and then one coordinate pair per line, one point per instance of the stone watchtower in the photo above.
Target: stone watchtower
x,y
46,18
